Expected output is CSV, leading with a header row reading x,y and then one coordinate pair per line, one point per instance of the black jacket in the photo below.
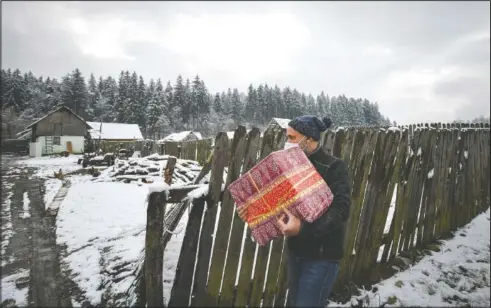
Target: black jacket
x,y
324,238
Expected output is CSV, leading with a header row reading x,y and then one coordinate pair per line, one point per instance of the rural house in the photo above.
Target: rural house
x,y
182,136
114,132
58,131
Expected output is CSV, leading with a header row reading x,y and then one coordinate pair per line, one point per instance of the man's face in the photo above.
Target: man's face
x,y
293,136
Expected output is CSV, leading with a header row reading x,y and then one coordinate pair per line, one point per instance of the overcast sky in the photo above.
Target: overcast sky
x,y
421,61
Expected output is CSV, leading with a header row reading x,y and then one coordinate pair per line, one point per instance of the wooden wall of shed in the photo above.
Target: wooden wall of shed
x,y
71,125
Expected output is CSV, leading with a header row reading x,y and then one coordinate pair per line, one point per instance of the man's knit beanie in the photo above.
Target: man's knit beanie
x,y
310,126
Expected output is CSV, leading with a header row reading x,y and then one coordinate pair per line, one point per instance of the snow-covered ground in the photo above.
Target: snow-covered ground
x,y
48,165
457,275
101,224
102,221
11,290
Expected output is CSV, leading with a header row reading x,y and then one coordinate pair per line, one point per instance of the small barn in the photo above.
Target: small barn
x,y
182,136
58,131
114,132
278,123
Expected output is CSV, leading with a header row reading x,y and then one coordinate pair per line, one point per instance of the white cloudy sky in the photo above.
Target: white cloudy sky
x,y
421,61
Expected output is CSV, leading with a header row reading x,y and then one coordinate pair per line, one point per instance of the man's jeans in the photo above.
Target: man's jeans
x,y
310,281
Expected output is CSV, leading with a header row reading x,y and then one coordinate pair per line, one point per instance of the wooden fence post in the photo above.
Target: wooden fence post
x,y
154,250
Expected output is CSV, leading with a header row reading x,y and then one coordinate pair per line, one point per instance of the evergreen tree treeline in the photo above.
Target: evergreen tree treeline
x,y
160,110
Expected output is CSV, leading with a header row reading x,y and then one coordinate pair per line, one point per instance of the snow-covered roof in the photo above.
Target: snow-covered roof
x,y
283,123
24,134
231,134
198,134
56,110
115,131
180,136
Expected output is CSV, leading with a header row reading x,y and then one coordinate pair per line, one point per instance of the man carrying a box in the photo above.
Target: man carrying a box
x,y
315,249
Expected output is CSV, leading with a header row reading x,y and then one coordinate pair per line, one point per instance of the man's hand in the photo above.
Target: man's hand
x,y
288,224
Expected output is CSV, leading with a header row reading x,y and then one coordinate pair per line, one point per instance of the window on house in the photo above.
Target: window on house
x,y
56,141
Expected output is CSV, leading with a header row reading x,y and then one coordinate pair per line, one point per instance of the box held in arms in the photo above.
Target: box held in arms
x,y
284,179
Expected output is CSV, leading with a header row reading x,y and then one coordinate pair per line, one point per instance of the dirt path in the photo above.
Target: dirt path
x,y
31,258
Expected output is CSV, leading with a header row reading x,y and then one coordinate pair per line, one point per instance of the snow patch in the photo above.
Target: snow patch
x,y
52,186
85,265
25,206
47,166
158,186
198,192
10,289
7,230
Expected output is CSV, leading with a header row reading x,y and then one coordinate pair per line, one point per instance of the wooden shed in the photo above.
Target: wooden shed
x,y
182,136
58,131
115,132
278,123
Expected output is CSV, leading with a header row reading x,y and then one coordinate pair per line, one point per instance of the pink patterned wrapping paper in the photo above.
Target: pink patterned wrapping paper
x,y
284,179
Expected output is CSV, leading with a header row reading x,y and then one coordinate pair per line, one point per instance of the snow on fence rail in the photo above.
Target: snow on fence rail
x,y
426,208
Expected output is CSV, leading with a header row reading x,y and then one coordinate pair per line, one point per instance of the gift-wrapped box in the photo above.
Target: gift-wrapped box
x,y
283,180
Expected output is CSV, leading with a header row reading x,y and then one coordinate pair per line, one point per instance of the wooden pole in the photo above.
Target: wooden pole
x,y
154,248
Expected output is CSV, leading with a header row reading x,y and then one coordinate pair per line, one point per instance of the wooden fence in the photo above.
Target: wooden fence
x,y
442,179
197,150
15,146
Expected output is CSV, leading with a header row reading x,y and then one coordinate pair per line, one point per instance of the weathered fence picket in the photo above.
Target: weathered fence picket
x,y
438,173
220,159
225,217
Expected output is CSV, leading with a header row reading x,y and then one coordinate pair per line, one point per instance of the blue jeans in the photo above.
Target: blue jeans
x,y
310,281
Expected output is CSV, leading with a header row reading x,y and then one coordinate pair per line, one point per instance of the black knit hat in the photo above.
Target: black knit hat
x,y
310,126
